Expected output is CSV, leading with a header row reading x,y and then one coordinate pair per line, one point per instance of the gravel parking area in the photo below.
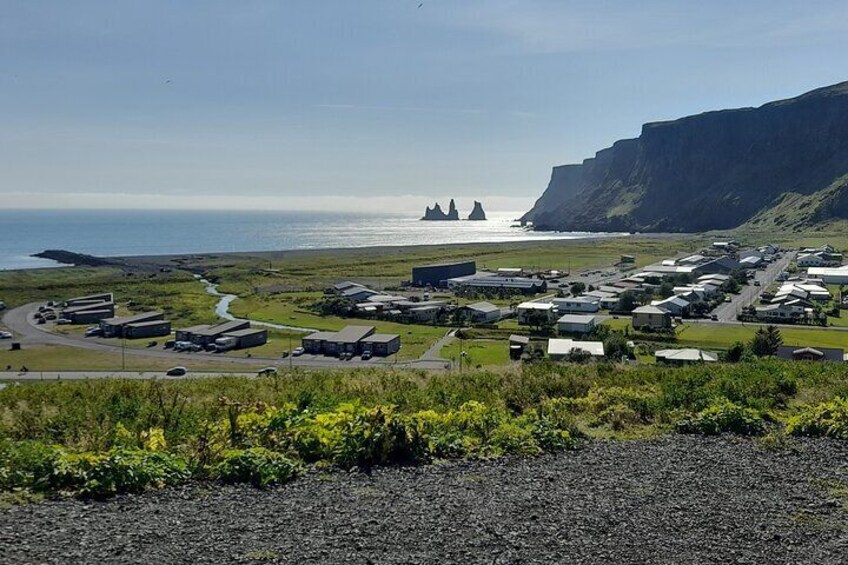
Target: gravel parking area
x,y
674,500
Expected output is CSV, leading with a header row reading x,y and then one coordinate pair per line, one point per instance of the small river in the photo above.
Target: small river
x,y
222,309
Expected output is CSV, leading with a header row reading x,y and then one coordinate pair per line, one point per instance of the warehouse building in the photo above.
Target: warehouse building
x,y
248,337
89,300
381,345
89,313
437,275
184,334
353,340
152,328
208,336
114,327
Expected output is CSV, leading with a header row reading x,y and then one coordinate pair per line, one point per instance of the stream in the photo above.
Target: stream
x,y
222,309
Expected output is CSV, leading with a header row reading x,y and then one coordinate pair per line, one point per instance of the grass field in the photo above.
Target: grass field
x,y
481,352
61,358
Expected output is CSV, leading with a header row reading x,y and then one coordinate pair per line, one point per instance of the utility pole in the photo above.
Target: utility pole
x,y
123,351
291,357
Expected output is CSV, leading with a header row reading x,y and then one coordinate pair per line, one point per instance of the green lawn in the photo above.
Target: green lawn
x,y
484,353
290,309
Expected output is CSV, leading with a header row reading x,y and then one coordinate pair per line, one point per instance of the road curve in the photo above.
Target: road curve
x,y
20,321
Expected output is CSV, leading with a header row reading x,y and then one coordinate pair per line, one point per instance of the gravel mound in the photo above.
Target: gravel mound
x,y
674,500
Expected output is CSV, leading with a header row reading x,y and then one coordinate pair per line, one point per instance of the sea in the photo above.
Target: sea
x,y
151,232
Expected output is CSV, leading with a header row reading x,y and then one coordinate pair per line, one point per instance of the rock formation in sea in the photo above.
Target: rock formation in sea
x,y
435,214
477,213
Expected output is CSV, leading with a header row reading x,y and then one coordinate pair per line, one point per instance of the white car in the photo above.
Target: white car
x,y
5,335
298,351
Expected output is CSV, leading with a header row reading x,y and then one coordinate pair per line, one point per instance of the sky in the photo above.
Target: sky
x,y
369,105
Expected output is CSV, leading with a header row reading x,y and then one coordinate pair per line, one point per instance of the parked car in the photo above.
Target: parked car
x,y
176,372
62,321
92,332
714,318
298,351
284,354
267,371
366,355
170,344
728,299
52,316
5,335
757,283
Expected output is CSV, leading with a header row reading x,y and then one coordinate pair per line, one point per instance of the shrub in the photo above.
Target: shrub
x,y
829,419
379,436
257,466
724,417
122,471
28,464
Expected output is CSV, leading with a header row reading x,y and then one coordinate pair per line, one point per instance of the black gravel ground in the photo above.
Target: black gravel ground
x,y
676,500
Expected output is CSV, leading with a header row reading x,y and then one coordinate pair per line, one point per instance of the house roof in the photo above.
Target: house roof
x,y
576,319
485,307
321,336
687,354
522,339
352,334
566,346
536,306
143,317
823,353
226,327
649,310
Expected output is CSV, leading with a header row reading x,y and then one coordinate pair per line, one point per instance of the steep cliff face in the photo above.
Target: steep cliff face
x,y
711,171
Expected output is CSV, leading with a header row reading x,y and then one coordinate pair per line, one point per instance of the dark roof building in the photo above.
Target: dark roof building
x,y
114,327
799,353
437,275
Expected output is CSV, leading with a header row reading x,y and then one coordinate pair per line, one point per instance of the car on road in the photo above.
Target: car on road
x,y
5,335
61,321
267,372
176,372
757,283
298,351
714,318
92,332
728,299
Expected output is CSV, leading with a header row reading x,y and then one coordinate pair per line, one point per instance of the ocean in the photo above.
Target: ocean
x,y
146,232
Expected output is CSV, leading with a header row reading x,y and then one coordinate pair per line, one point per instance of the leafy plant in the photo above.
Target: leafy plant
x,y
828,419
257,466
724,417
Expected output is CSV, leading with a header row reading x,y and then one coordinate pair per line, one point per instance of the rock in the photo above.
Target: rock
x,y
435,214
784,163
477,213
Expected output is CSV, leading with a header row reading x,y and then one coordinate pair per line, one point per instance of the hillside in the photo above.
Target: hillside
x,y
715,170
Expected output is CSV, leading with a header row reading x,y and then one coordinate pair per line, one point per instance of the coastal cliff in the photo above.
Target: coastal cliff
x,y
715,170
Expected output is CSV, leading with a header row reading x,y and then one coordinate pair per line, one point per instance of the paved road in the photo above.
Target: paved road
x,y
748,295
93,375
20,321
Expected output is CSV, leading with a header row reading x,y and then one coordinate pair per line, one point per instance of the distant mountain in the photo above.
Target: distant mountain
x,y
435,214
783,164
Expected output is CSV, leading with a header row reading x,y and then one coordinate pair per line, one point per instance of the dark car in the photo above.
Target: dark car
x,y
176,372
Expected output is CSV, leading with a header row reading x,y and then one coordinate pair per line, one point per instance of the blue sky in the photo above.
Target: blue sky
x,y
369,105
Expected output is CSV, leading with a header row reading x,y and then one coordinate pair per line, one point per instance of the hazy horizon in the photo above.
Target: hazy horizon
x,y
369,105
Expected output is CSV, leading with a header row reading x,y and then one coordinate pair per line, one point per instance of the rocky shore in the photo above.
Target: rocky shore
x,y
674,500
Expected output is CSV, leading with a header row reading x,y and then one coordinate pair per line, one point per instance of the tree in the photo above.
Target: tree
x,y
766,341
615,346
665,290
735,353
578,288
539,320
627,302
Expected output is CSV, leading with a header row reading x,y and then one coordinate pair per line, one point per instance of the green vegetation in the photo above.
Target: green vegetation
x,y
72,436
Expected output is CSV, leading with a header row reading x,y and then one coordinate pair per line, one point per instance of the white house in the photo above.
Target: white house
x,y
576,324
785,311
483,312
559,349
830,275
526,309
577,304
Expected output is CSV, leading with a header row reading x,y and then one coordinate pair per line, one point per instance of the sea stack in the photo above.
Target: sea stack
x,y
477,213
435,214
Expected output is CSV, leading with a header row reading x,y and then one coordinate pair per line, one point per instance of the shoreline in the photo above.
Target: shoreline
x,y
169,260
